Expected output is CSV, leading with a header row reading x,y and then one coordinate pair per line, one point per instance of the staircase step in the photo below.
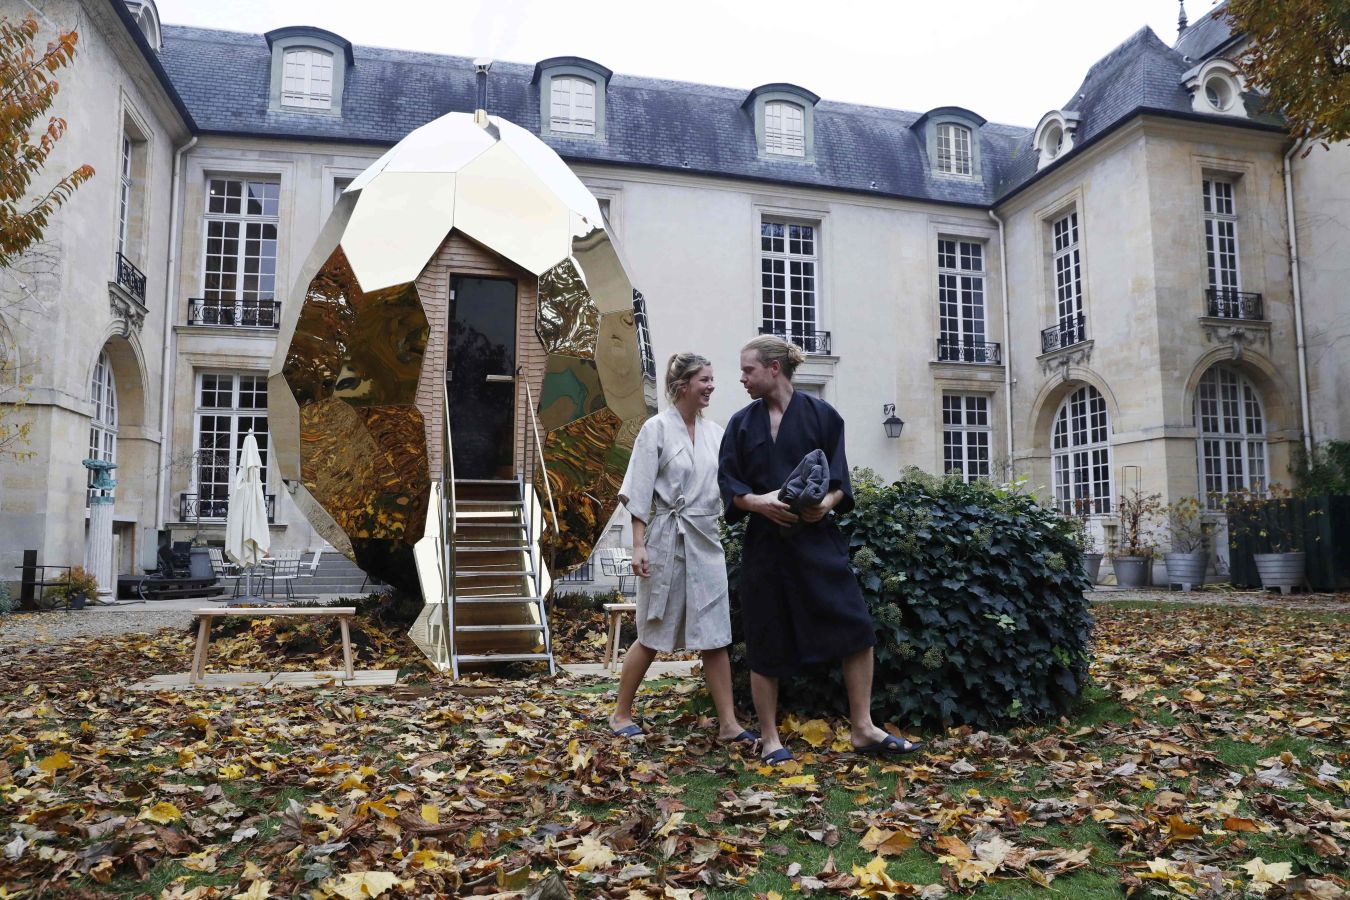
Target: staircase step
x,y
476,503
504,657
484,573
484,600
472,523
479,628
488,548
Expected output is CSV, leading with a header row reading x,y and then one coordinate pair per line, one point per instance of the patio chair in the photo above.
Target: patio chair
x,y
615,562
312,569
285,566
223,568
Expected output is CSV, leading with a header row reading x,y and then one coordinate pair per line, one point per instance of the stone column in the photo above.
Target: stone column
x,y
98,559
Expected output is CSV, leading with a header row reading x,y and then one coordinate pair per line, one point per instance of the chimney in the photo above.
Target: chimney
x,y
482,65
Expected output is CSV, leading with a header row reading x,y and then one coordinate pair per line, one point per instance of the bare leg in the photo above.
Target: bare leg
x,y
858,682
717,675
764,691
636,662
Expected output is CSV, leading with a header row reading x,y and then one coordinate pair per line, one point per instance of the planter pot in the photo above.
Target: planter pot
x,y
77,601
199,562
1131,571
1186,569
1092,566
1282,570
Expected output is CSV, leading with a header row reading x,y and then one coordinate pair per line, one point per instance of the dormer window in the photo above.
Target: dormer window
x,y
571,105
1216,87
147,20
572,96
953,149
783,119
309,70
951,135
1054,136
784,129
308,79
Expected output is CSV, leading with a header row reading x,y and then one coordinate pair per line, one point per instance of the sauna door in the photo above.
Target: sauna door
x,y
480,376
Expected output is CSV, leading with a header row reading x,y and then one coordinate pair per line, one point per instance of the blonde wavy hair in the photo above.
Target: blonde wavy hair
x,y
679,370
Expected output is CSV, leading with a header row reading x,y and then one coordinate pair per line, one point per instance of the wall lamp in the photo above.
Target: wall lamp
x,y
893,423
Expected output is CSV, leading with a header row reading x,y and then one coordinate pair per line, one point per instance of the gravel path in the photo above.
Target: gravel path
x,y
37,628
1268,599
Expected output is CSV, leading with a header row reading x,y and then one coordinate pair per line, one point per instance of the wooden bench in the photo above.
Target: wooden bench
x,y
205,616
615,612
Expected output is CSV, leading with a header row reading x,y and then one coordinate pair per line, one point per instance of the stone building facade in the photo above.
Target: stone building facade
x,y
1102,301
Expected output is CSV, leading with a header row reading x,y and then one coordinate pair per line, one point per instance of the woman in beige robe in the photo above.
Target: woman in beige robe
x,y
672,493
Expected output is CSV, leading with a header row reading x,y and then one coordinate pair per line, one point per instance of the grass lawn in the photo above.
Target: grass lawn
x,y
1208,758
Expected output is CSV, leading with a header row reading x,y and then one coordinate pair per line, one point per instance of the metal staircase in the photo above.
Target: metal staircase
x,y
496,584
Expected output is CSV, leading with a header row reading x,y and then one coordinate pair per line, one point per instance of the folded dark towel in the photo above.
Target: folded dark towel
x,y
807,485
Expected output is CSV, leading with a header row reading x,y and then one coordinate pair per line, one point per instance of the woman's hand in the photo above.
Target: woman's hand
x,y
641,567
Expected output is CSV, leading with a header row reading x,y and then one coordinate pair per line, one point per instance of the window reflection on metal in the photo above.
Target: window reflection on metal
x,y
352,396
644,335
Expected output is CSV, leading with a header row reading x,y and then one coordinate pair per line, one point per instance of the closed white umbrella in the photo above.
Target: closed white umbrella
x,y
246,534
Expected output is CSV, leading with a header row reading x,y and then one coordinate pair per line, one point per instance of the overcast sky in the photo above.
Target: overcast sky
x,y
1008,60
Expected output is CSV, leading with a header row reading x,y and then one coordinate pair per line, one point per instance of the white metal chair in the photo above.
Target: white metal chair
x,y
312,569
223,568
615,562
286,569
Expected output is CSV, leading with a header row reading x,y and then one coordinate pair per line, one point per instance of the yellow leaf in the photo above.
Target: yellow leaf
x,y
230,772
258,890
430,814
590,854
57,761
816,732
321,811
1268,873
1193,695
200,862
884,842
798,781
162,813
356,885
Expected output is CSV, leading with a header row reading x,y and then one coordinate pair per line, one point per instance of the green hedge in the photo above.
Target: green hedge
x,y
977,593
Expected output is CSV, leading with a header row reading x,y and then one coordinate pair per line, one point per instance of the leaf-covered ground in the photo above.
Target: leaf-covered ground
x,y
1209,759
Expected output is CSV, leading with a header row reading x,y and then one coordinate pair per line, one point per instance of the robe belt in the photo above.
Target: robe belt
x,y
668,522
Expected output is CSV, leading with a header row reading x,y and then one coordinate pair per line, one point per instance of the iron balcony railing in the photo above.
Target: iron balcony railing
x,y
1226,303
1068,332
817,342
958,350
234,313
195,507
582,573
130,277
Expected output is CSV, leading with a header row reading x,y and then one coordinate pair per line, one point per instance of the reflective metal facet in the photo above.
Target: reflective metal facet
x,y
358,374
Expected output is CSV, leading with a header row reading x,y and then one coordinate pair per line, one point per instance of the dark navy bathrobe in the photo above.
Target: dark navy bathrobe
x,y
800,602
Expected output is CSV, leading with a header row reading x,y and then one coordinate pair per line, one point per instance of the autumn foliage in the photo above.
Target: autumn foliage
x,y
28,87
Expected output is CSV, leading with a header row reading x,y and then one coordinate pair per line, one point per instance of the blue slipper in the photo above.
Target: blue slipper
x,y
889,745
745,737
781,755
627,731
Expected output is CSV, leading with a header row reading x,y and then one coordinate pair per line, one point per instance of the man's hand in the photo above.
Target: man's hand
x,y
641,567
816,513
770,507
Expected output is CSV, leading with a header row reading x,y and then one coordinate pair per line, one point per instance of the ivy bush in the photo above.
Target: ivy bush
x,y
978,597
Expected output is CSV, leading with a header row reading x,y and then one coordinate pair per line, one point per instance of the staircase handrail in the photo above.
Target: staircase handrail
x,y
539,448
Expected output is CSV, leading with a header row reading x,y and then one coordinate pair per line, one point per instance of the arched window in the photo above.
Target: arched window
x,y
1232,426
103,428
784,128
307,79
572,105
1081,454
953,149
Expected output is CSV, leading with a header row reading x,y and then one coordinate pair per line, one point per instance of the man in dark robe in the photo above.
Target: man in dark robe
x,y
800,602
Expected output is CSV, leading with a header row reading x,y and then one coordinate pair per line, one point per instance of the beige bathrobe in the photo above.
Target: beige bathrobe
x,y
671,485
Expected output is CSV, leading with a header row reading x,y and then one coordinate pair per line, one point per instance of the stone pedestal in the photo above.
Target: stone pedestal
x,y
98,548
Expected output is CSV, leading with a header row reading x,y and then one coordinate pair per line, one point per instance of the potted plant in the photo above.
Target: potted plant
x,y
1274,521
1187,560
74,588
1138,513
1080,532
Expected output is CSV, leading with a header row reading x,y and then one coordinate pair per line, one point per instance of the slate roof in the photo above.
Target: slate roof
x,y
653,123
1205,35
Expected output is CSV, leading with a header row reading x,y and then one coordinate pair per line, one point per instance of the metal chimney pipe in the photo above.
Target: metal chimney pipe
x,y
482,65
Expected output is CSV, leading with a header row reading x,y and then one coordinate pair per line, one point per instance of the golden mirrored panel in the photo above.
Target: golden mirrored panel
x,y
568,319
571,390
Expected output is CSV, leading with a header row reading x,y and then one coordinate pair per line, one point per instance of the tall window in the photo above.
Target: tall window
x,y
1221,242
965,435
572,105
103,427
1068,280
961,332
1232,429
240,269
784,128
307,79
124,189
228,407
788,263
953,149
1081,454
